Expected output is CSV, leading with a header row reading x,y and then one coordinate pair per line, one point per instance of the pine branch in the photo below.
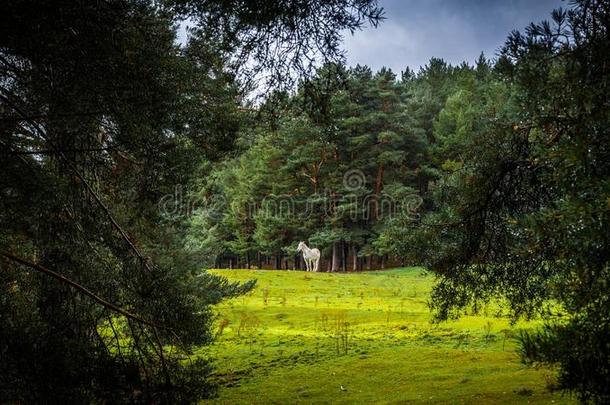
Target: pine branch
x,y
80,288
56,152
90,189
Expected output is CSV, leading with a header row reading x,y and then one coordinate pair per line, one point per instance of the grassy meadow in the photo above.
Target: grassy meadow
x,y
319,338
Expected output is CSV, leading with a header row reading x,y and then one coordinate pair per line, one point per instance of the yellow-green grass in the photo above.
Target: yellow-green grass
x,y
320,338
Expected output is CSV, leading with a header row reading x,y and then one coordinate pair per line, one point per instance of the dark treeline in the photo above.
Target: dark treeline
x,y
336,163
347,261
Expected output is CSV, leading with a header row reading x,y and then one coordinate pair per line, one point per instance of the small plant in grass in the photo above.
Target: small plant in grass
x,y
507,334
248,323
462,339
487,328
246,297
341,333
224,322
321,322
248,328
265,296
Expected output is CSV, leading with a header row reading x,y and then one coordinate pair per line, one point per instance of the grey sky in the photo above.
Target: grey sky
x,y
455,30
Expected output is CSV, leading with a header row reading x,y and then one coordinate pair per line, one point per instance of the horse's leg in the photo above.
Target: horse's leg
x,y
316,263
306,263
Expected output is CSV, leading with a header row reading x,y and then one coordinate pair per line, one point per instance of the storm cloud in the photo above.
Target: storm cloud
x,y
455,30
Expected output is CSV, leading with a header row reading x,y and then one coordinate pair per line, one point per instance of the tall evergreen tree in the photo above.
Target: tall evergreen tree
x,y
525,216
102,114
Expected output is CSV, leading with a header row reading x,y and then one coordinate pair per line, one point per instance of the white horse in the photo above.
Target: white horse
x,y
311,256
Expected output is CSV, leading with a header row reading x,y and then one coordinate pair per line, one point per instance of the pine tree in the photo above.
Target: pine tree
x,y
103,114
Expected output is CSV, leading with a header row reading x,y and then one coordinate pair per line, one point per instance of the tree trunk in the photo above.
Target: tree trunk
x,y
336,259
354,257
378,185
379,180
382,259
343,257
248,260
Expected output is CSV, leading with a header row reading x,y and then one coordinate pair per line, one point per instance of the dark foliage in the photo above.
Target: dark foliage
x,y
102,113
523,212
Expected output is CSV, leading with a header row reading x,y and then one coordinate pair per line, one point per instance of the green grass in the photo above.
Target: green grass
x,y
320,338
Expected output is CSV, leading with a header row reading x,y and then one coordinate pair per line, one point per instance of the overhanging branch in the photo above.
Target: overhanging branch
x,y
89,188
79,288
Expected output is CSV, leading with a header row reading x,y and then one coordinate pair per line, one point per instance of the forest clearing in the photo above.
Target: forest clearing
x,y
320,338
304,201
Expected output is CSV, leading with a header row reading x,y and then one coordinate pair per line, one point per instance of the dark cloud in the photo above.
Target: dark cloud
x,y
455,30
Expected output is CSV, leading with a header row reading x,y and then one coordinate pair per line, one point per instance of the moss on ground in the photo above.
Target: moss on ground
x,y
366,337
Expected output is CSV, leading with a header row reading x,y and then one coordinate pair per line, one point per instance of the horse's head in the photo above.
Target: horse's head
x,y
301,246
